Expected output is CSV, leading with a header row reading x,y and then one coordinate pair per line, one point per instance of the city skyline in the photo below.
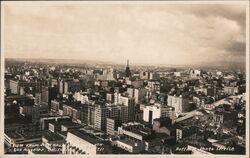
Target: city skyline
x,y
125,78
144,34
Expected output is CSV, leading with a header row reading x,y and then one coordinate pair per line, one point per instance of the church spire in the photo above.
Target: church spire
x,y
127,71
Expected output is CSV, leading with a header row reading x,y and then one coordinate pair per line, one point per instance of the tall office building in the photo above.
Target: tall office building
x,y
122,113
140,94
130,91
110,74
45,95
91,115
61,86
180,103
48,93
130,103
117,98
157,111
112,126
14,86
101,115
113,111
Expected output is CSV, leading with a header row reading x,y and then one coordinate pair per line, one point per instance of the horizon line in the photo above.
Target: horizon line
x,y
202,64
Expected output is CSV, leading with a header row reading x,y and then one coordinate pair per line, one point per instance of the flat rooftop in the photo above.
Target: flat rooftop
x,y
85,136
70,124
25,135
32,135
13,135
128,141
51,136
138,129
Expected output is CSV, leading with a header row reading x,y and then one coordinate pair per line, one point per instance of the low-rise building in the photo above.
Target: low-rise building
x,y
231,90
80,142
12,138
131,146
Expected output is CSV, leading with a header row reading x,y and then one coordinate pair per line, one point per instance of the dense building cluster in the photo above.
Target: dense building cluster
x,y
98,109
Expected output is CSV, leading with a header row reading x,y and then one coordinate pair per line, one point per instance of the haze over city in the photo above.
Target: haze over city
x,y
146,34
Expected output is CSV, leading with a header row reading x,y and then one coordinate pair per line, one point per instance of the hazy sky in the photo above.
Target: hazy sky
x,y
146,34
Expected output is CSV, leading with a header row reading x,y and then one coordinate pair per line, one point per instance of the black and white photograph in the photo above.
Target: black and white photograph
x,y
125,78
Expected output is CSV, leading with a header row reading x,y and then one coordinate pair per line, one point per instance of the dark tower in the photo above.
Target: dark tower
x,y
127,71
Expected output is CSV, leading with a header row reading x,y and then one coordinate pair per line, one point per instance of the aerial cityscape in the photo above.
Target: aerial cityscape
x,y
75,84
93,109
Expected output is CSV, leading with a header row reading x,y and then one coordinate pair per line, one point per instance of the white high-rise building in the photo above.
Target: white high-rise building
x,y
110,74
157,111
80,97
180,103
117,98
